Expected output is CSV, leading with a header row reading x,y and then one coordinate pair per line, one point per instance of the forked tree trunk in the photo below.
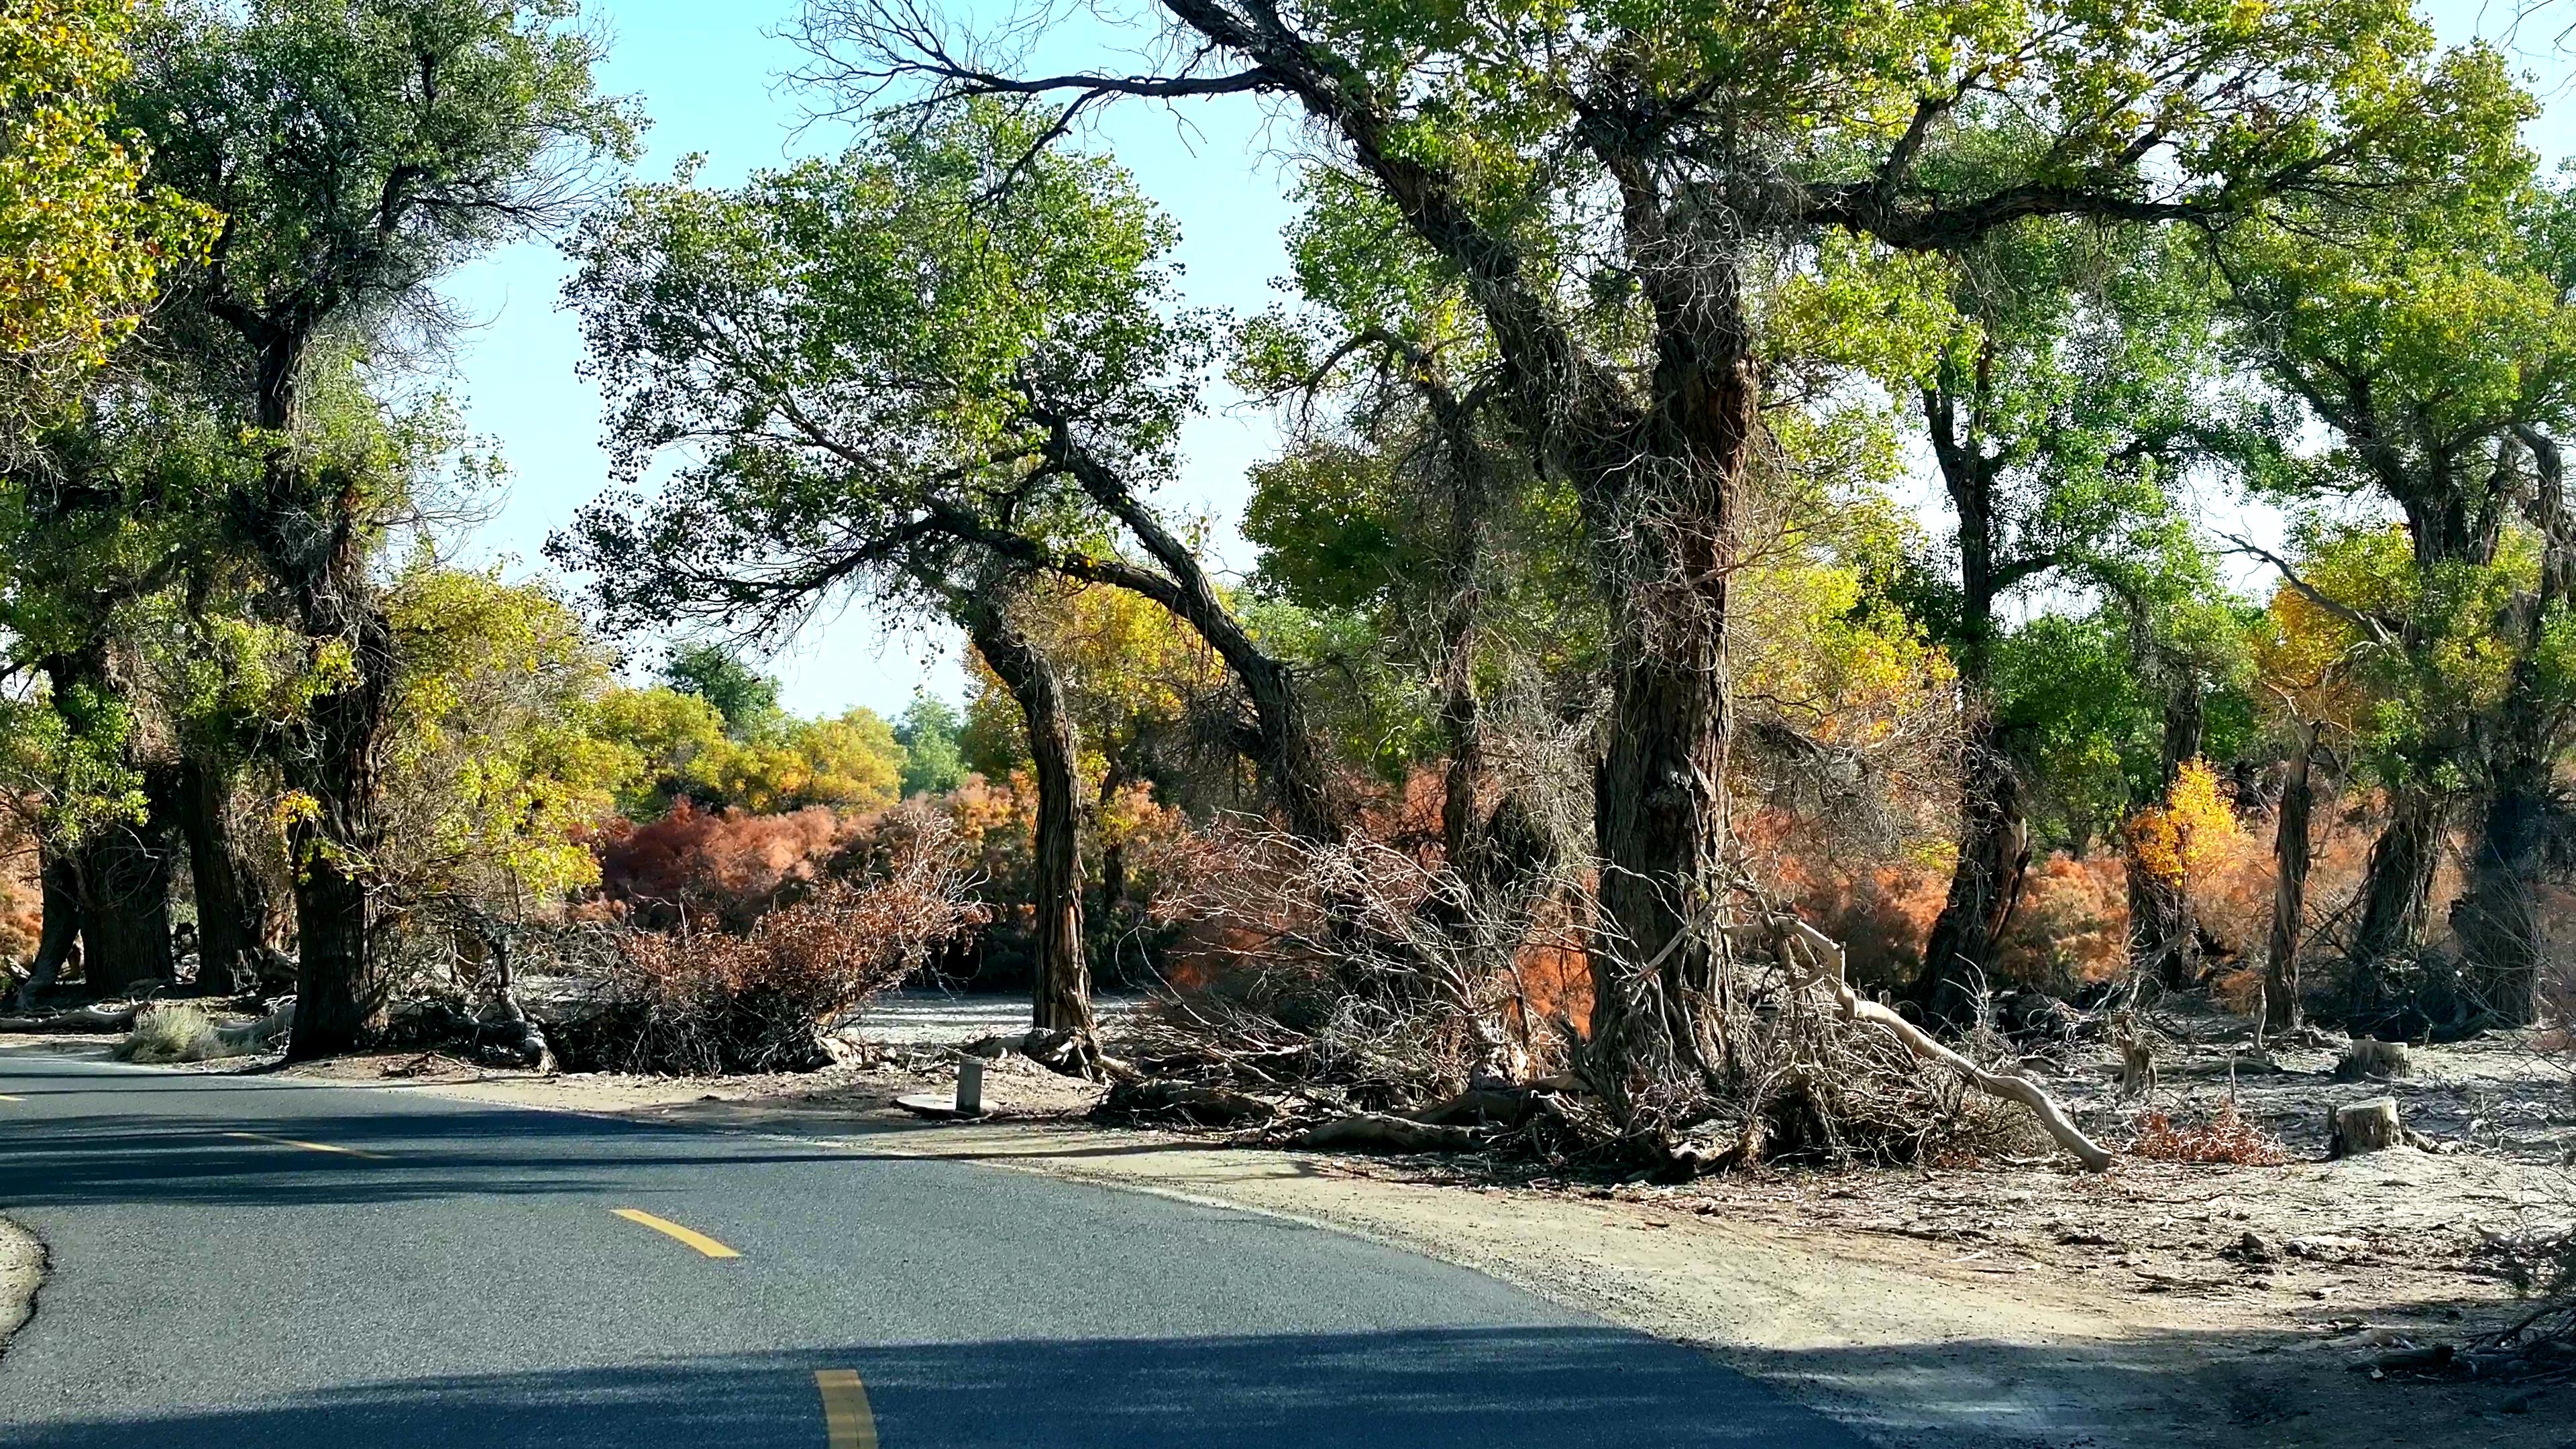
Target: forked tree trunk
x,y
2499,918
225,932
2290,846
1061,998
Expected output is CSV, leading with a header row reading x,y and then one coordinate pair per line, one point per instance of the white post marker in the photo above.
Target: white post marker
x,y
970,1087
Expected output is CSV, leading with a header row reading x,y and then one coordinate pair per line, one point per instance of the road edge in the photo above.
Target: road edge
x,y
22,1274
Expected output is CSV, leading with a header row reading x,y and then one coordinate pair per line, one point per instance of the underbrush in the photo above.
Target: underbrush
x,y
170,1034
689,1001
2226,1139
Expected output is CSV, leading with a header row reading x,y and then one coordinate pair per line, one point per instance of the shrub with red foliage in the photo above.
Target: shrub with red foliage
x,y
724,868
701,1001
2224,1140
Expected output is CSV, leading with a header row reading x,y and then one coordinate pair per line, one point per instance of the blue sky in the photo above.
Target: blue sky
x,y
706,73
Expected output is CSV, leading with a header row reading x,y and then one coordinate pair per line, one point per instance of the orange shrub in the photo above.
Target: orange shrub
x,y
712,1001
726,867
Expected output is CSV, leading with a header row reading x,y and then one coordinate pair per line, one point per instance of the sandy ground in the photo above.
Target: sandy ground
x,y
2013,1303
22,1271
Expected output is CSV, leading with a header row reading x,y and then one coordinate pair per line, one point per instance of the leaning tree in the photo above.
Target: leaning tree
x,y
949,339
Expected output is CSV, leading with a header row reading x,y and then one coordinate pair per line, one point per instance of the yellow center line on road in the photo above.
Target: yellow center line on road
x,y
697,1240
307,1146
847,1424
5,1097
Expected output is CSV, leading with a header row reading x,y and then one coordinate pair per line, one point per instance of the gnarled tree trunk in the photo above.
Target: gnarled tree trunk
x,y
1960,957
125,907
2499,917
2396,894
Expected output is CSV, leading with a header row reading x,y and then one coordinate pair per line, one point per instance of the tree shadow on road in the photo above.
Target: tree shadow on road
x,y
1533,1388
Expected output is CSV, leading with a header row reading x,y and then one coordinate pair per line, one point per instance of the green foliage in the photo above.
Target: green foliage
x,y
870,357
496,758
745,697
932,761
451,125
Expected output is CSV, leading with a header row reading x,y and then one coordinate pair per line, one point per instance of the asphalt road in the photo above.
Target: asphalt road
x,y
250,1263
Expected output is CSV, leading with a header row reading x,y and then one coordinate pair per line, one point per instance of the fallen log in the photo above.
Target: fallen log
x,y
1787,933
1379,1132
80,1019
1180,1101
246,1037
1480,1107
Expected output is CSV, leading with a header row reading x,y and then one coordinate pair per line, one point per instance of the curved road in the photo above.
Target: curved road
x,y
258,1264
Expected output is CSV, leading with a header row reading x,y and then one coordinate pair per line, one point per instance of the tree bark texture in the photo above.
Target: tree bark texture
x,y
58,937
226,932
2396,895
2290,845
1659,803
1061,997
125,906
339,997
2499,917
1963,953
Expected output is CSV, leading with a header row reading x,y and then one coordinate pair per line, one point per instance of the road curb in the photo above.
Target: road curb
x,y
22,1272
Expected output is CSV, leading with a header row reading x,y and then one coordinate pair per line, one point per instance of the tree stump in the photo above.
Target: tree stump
x,y
2368,1058
2364,1127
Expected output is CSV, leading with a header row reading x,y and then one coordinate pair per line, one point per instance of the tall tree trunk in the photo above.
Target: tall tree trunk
x,y
2397,895
59,935
1062,993
225,932
1962,957
339,994
1659,798
2499,918
2290,844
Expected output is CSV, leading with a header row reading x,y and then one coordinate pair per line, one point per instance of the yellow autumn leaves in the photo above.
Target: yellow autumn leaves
x,y
82,243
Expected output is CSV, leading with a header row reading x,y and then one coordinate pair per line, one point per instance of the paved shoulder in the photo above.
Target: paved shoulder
x,y
261,1263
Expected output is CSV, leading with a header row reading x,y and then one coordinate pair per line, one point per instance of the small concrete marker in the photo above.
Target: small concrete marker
x,y
847,1423
969,1101
670,1229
